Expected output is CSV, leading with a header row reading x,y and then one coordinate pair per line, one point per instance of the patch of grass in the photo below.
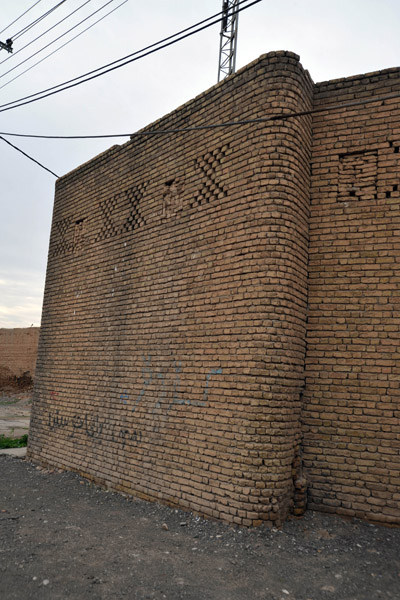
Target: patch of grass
x,y
7,442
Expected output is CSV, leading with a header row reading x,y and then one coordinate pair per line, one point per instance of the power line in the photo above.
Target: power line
x,y
44,33
114,62
63,45
20,16
282,116
142,53
27,156
59,37
36,21
275,117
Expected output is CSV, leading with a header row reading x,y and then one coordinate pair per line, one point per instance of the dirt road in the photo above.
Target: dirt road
x,y
15,409
63,538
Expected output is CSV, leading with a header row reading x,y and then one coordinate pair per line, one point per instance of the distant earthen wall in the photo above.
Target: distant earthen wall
x,y
18,352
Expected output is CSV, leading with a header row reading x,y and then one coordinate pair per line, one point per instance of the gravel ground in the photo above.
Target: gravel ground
x,y
63,538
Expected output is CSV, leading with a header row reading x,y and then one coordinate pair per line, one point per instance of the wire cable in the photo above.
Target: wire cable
x,y
20,16
114,62
58,38
271,118
282,116
62,46
42,34
141,53
36,21
27,156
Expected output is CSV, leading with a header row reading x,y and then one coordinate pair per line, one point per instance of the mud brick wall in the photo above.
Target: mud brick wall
x,y
18,351
172,345
351,401
221,316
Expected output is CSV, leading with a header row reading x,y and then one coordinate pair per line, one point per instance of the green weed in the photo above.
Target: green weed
x,y
7,442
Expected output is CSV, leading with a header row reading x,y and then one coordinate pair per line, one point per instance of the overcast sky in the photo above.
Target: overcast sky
x,y
335,38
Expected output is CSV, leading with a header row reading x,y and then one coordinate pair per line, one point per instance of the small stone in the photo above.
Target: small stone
x,y
286,592
165,527
46,582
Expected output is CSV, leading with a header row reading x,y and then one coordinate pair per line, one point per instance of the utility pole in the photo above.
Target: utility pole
x,y
228,38
6,46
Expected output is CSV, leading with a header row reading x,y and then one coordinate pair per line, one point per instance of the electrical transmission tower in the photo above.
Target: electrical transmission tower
x,y
228,38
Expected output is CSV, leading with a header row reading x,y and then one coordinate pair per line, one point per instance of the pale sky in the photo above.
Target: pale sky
x,y
335,38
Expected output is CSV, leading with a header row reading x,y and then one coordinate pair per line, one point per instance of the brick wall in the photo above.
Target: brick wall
x,y
210,339
18,350
351,402
172,345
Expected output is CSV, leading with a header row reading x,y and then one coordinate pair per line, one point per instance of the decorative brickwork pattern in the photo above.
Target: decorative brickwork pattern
x,y
63,237
211,189
111,223
186,281
358,173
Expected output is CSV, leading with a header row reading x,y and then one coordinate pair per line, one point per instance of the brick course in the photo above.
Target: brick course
x,y
184,270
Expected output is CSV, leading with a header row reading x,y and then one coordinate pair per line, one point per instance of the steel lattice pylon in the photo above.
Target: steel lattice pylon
x,y
228,38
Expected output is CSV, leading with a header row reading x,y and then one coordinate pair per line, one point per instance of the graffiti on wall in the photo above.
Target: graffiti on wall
x,y
92,426
163,397
149,374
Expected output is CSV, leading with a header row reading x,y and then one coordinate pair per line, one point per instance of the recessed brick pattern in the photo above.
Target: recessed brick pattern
x,y
212,189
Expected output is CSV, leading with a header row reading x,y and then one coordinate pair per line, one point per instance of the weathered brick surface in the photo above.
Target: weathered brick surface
x,y
172,346
173,341
18,351
351,401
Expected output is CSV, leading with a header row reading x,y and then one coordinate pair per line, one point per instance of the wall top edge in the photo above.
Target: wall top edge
x,y
90,162
277,56
269,56
273,56
8,329
359,77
